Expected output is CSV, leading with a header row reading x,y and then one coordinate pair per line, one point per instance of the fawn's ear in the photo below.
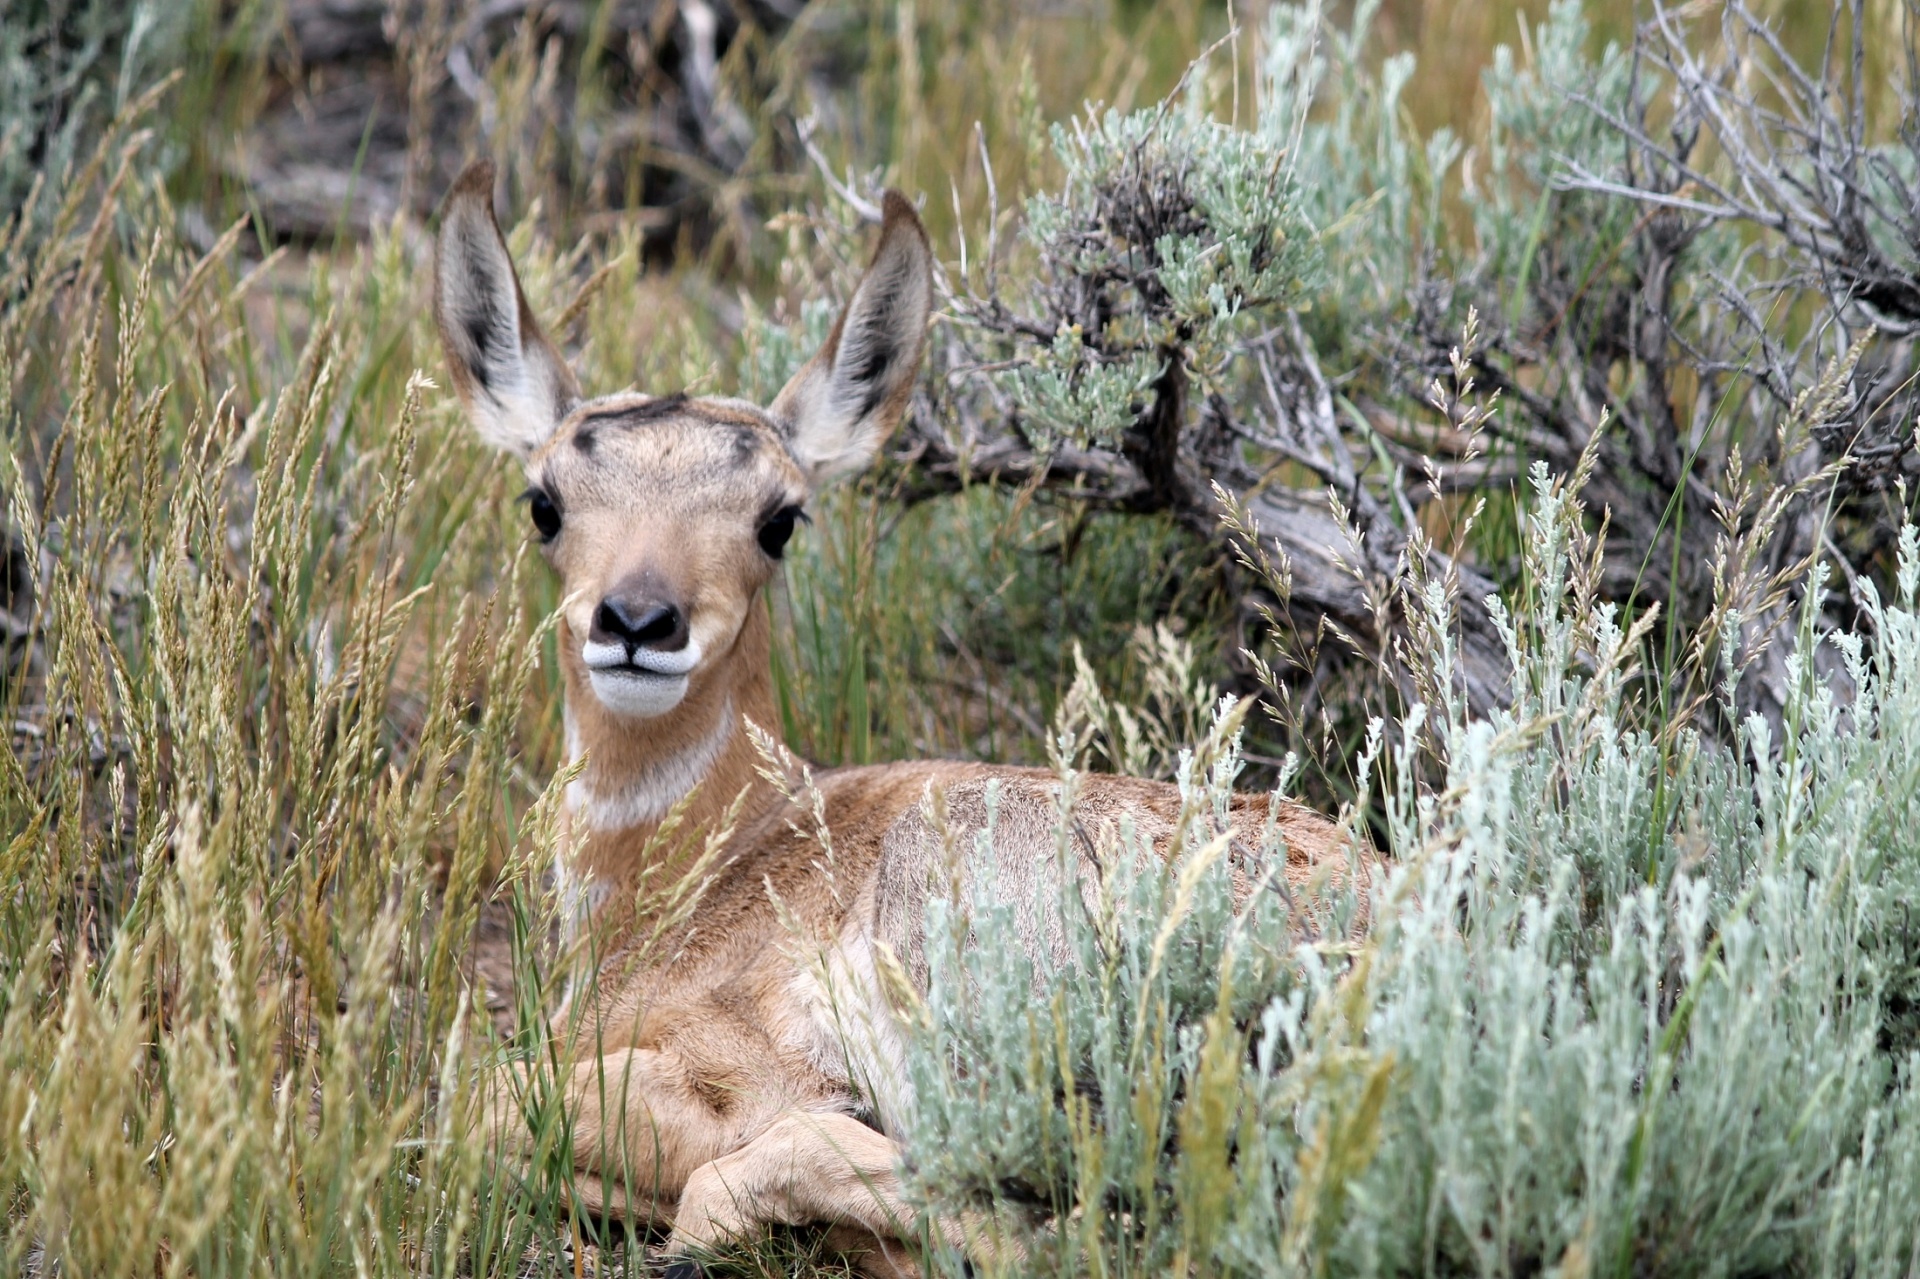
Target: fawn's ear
x,y
512,380
841,406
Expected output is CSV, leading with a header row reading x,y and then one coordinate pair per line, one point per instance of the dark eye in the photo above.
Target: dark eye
x,y
778,528
546,515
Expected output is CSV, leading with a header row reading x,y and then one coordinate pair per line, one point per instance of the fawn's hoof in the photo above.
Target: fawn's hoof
x,y
681,1268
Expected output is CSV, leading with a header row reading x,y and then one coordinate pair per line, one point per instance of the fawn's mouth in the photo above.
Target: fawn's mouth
x,y
638,682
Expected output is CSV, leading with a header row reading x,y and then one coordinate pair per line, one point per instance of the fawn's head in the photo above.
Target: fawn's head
x,y
666,514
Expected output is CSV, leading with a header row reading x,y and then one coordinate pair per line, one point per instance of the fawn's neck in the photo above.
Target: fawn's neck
x,y
637,770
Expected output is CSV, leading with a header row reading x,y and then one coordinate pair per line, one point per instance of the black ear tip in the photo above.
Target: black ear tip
x,y
477,176
896,209
473,186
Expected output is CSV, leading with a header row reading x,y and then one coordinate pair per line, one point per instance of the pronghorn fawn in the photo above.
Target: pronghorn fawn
x,y
717,1084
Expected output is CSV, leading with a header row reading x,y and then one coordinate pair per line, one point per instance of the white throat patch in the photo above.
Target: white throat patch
x,y
648,796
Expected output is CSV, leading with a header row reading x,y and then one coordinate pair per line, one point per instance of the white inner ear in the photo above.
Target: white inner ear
x,y
515,388
839,411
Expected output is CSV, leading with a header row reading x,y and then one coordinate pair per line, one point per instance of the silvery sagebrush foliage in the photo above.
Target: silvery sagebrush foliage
x,y
1268,299
1168,228
1632,1002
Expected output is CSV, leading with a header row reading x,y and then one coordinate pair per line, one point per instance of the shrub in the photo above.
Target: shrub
x,y
1744,355
1628,1005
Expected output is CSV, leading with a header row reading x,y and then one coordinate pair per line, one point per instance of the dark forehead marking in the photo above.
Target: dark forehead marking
x,y
737,427
658,407
635,414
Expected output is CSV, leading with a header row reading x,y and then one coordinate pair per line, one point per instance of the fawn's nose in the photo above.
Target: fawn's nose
x,y
640,623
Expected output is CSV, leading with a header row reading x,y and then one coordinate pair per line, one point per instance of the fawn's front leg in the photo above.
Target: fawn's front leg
x,y
805,1168
824,1168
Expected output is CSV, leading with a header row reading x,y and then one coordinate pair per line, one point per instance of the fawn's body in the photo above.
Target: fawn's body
x,y
742,1066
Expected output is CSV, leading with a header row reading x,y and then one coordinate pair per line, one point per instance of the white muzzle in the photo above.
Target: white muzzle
x,y
640,683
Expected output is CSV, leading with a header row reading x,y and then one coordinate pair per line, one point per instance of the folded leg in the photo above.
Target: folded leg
x,y
806,1168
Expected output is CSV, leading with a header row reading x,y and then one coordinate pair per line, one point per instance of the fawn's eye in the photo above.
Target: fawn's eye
x,y
546,514
778,528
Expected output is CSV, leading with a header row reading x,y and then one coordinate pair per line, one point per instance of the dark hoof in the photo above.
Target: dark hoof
x,y
682,1268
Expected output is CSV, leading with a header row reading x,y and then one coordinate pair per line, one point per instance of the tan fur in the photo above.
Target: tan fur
x,y
741,1068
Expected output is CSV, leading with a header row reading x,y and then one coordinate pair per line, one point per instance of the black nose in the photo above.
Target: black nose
x,y
641,624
